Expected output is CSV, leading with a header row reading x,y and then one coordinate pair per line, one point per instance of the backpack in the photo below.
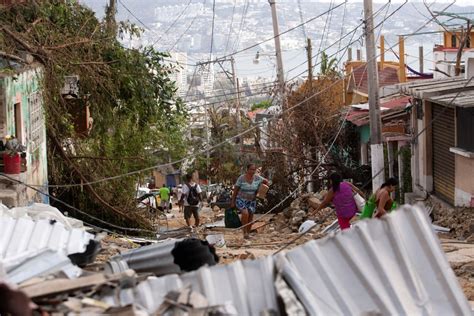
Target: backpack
x,y
193,195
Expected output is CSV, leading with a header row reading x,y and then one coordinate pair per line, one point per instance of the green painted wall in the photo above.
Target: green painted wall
x,y
19,88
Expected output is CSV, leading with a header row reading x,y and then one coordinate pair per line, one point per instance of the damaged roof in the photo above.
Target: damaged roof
x,y
391,266
23,235
247,284
360,117
442,91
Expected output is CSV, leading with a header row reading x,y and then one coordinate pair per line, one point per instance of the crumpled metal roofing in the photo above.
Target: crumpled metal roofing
x,y
392,266
248,285
36,264
389,266
156,258
20,236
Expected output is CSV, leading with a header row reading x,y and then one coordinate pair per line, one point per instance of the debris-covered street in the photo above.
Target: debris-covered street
x,y
109,274
236,157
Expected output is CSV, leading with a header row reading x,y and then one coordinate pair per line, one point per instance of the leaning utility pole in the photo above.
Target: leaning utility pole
x,y
376,144
276,34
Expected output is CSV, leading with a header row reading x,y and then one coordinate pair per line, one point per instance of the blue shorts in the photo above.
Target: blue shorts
x,y
241,204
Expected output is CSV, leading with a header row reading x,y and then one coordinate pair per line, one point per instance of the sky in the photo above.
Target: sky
x,y
458,2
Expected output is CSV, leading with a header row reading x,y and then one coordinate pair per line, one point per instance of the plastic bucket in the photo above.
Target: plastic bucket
x,y
12,164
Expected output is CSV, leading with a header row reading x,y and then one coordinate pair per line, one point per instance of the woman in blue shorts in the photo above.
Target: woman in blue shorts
x,y
244,197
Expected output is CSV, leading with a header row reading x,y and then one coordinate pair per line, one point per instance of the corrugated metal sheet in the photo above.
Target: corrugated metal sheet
x,y
156,258
464,99
389,266
429,89
43,263
247,284
392,266
22,236
443,159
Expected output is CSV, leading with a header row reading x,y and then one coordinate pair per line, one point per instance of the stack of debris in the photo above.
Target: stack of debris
x,y
394,257
304,207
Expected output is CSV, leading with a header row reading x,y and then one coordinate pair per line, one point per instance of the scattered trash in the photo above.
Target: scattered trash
x,y
306,226
216,240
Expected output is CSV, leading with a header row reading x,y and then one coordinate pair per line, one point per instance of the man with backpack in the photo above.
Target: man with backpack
x,y
190,198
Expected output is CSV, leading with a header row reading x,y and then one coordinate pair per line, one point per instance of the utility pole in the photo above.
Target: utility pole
x,y
276,34
237,92
309,50
111,23
376,144
420,58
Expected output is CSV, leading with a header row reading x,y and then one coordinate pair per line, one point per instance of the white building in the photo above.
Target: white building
x,y
181,72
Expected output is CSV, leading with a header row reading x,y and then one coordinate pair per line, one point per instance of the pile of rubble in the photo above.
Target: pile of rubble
x,y
304,207
53,261
459,220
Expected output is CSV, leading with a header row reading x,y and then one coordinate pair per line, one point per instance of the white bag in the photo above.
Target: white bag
x,y
360,201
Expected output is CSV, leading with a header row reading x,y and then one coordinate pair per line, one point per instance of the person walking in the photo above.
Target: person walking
x,y
244,196
341,194
165,198
190,198
383,200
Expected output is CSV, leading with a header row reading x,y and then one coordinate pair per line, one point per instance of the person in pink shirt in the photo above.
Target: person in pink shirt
x,y
341,194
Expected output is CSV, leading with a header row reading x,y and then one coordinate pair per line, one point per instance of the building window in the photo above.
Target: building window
x,y
36,136
453,41
465,128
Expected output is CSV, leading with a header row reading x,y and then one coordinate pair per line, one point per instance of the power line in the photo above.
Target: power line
x,y
393,159
76,209
173,23
212,29
190,156
136,18
281,33
230,27
187,29
413,140
242,19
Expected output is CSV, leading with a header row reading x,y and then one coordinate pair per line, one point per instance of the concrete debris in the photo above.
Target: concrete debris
x,y
306,204
188,302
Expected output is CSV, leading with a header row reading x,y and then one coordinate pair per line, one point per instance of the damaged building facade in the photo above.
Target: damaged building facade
x,y
443,155
21,115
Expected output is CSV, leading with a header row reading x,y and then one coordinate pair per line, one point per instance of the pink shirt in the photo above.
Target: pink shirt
x,y
344,202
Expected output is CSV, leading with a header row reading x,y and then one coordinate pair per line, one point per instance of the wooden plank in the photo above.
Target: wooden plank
x,y
56,286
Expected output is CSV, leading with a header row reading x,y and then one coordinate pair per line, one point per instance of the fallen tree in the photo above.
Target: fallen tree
x,y
131,98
